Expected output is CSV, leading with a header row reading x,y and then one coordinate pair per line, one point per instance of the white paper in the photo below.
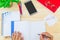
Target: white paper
x,y
50,19
22,27
7,17
37,28
30,30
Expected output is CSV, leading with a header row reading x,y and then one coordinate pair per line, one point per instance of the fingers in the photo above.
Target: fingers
x,y
50,37
41,37
14,36
47,34
17,36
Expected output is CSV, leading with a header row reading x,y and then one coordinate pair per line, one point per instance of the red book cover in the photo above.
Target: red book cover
x,y
52,5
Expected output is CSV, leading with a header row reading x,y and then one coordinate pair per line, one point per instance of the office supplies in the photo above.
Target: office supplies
x,y
20,7
44,36
30,7
50,19
52,5
29,29
7,17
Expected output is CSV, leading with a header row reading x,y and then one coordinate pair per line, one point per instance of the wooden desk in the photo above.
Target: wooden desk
x,y
42,12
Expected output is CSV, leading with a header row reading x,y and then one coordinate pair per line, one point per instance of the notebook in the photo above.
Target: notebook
x,y
7,17
52,5
30,7
29,29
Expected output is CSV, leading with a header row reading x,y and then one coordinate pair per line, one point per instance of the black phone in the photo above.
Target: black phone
x,y
30,7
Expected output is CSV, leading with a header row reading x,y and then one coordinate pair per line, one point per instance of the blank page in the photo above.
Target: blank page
x,y
22,27
37,28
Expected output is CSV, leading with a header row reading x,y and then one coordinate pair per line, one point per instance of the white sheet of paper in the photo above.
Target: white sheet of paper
x,y
30,30
37,28
50,19
7,17
22,27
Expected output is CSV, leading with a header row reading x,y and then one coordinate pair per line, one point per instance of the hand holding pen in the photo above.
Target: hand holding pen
x,y
46,35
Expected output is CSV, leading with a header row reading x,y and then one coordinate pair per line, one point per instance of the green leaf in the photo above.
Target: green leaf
x,y
1,4
17,1
6,3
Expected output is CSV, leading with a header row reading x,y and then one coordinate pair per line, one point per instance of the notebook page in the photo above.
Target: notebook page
x,y
23,27
37,28
7,18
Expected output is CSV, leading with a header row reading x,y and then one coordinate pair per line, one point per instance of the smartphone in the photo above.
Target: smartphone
x,y
30,7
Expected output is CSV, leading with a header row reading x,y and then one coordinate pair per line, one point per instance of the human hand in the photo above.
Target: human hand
x,y
50,37
17,36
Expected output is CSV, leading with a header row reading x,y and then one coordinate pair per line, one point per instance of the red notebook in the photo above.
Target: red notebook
x,y
52,5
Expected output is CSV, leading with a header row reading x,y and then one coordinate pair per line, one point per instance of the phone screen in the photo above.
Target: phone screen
x,y
30,7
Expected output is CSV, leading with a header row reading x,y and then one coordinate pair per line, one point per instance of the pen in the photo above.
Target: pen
x,y
45,36
20,7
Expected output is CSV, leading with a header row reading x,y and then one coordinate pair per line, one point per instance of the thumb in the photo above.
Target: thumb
x,y
41,37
